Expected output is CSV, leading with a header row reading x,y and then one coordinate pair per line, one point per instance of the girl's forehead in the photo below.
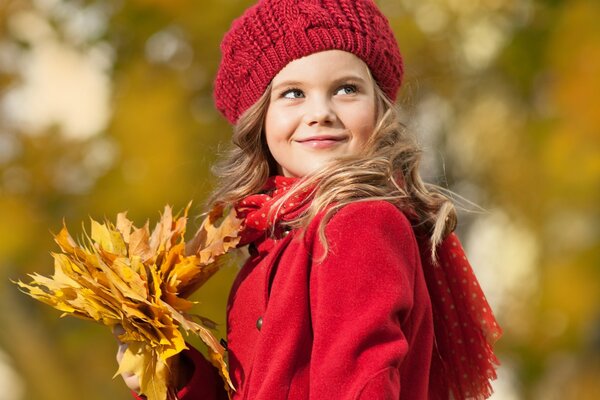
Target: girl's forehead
x,y
325,64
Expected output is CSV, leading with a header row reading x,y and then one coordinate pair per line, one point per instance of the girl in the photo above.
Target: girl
x,y
355,287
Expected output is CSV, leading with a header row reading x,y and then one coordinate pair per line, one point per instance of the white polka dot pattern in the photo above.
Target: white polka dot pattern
x,y
258,213
465,328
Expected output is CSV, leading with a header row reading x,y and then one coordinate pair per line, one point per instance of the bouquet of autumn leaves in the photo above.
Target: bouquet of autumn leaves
x,y
141,279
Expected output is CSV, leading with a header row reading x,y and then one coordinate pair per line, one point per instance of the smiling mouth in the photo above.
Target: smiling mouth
x,y
322,141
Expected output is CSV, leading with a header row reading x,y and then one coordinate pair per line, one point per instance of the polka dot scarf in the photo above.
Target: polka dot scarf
x,y
463,362
258,210
465,328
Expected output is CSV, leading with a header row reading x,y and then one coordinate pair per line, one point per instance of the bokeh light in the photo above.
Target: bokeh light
x,y
106,106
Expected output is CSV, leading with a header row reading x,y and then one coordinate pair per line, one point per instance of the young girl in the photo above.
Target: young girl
x,y
356,287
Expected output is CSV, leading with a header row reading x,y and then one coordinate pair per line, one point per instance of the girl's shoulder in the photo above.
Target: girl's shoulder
x,y
368,212
366,219
365,232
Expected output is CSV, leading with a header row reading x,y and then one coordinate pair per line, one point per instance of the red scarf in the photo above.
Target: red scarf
x,y
257,209
465,328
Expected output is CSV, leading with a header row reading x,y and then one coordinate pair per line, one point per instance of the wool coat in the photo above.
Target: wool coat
x,y
350,322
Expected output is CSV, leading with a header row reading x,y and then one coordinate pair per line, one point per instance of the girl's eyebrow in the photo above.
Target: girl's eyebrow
x,y
349,77
337,81
286,84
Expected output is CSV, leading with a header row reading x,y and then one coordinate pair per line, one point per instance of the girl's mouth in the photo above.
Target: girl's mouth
x,y
322,141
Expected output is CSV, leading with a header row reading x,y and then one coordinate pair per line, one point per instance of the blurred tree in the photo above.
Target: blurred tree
x,y
106,106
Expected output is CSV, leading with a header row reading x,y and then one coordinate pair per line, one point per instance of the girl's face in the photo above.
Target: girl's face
x,y
322,106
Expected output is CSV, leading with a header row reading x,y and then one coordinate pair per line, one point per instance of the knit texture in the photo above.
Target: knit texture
x,y
273,33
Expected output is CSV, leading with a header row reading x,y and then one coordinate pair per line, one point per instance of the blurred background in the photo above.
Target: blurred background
x,y
106,106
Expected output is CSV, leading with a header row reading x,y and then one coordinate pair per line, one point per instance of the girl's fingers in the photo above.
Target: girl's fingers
x,y
118,330
121,350
132,381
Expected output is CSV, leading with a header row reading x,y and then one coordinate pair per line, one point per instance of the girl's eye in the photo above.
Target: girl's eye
x,y
292,94
346,89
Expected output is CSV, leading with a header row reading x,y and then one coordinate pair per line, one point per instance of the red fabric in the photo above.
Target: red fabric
x,y
205,379
272,33
359,323
259,213
340,328
465,328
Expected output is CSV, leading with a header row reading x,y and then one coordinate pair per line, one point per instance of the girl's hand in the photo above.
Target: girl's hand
x,y
181,366
131,380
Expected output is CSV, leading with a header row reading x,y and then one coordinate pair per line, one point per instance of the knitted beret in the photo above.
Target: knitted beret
x,y
273,33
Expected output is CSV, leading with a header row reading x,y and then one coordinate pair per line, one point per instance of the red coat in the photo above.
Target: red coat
x,y
356,325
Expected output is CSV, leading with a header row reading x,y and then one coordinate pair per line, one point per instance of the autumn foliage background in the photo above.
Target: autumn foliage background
x,y
106,106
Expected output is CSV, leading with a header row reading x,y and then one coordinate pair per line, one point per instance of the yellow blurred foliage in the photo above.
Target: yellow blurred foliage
x,y
509,111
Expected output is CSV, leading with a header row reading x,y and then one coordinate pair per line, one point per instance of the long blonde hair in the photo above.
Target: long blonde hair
x,y
386,170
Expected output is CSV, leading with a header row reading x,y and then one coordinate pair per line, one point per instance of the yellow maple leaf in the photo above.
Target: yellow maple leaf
x,y
141,280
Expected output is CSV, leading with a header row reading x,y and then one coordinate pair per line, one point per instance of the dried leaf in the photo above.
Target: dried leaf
x,y
140,359
139,243
141,280
124,226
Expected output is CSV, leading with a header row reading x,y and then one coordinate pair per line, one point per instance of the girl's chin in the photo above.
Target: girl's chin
x,y
302,172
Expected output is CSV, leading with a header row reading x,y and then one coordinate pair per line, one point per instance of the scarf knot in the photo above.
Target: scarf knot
x,y
263,212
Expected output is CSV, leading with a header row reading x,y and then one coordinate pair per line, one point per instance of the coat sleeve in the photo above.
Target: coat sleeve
x,y
361,294
205,382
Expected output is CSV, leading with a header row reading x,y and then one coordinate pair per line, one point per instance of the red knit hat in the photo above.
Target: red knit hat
x,y
272,33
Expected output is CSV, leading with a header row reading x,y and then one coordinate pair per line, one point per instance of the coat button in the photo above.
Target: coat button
x,y
259,323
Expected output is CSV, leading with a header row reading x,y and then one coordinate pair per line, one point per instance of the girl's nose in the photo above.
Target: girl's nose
x,y
319,111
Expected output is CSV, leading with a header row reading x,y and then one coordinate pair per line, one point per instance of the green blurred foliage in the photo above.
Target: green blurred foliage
x,y
516,93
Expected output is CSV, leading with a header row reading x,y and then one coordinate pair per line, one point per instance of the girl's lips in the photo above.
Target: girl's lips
x,y
322,142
